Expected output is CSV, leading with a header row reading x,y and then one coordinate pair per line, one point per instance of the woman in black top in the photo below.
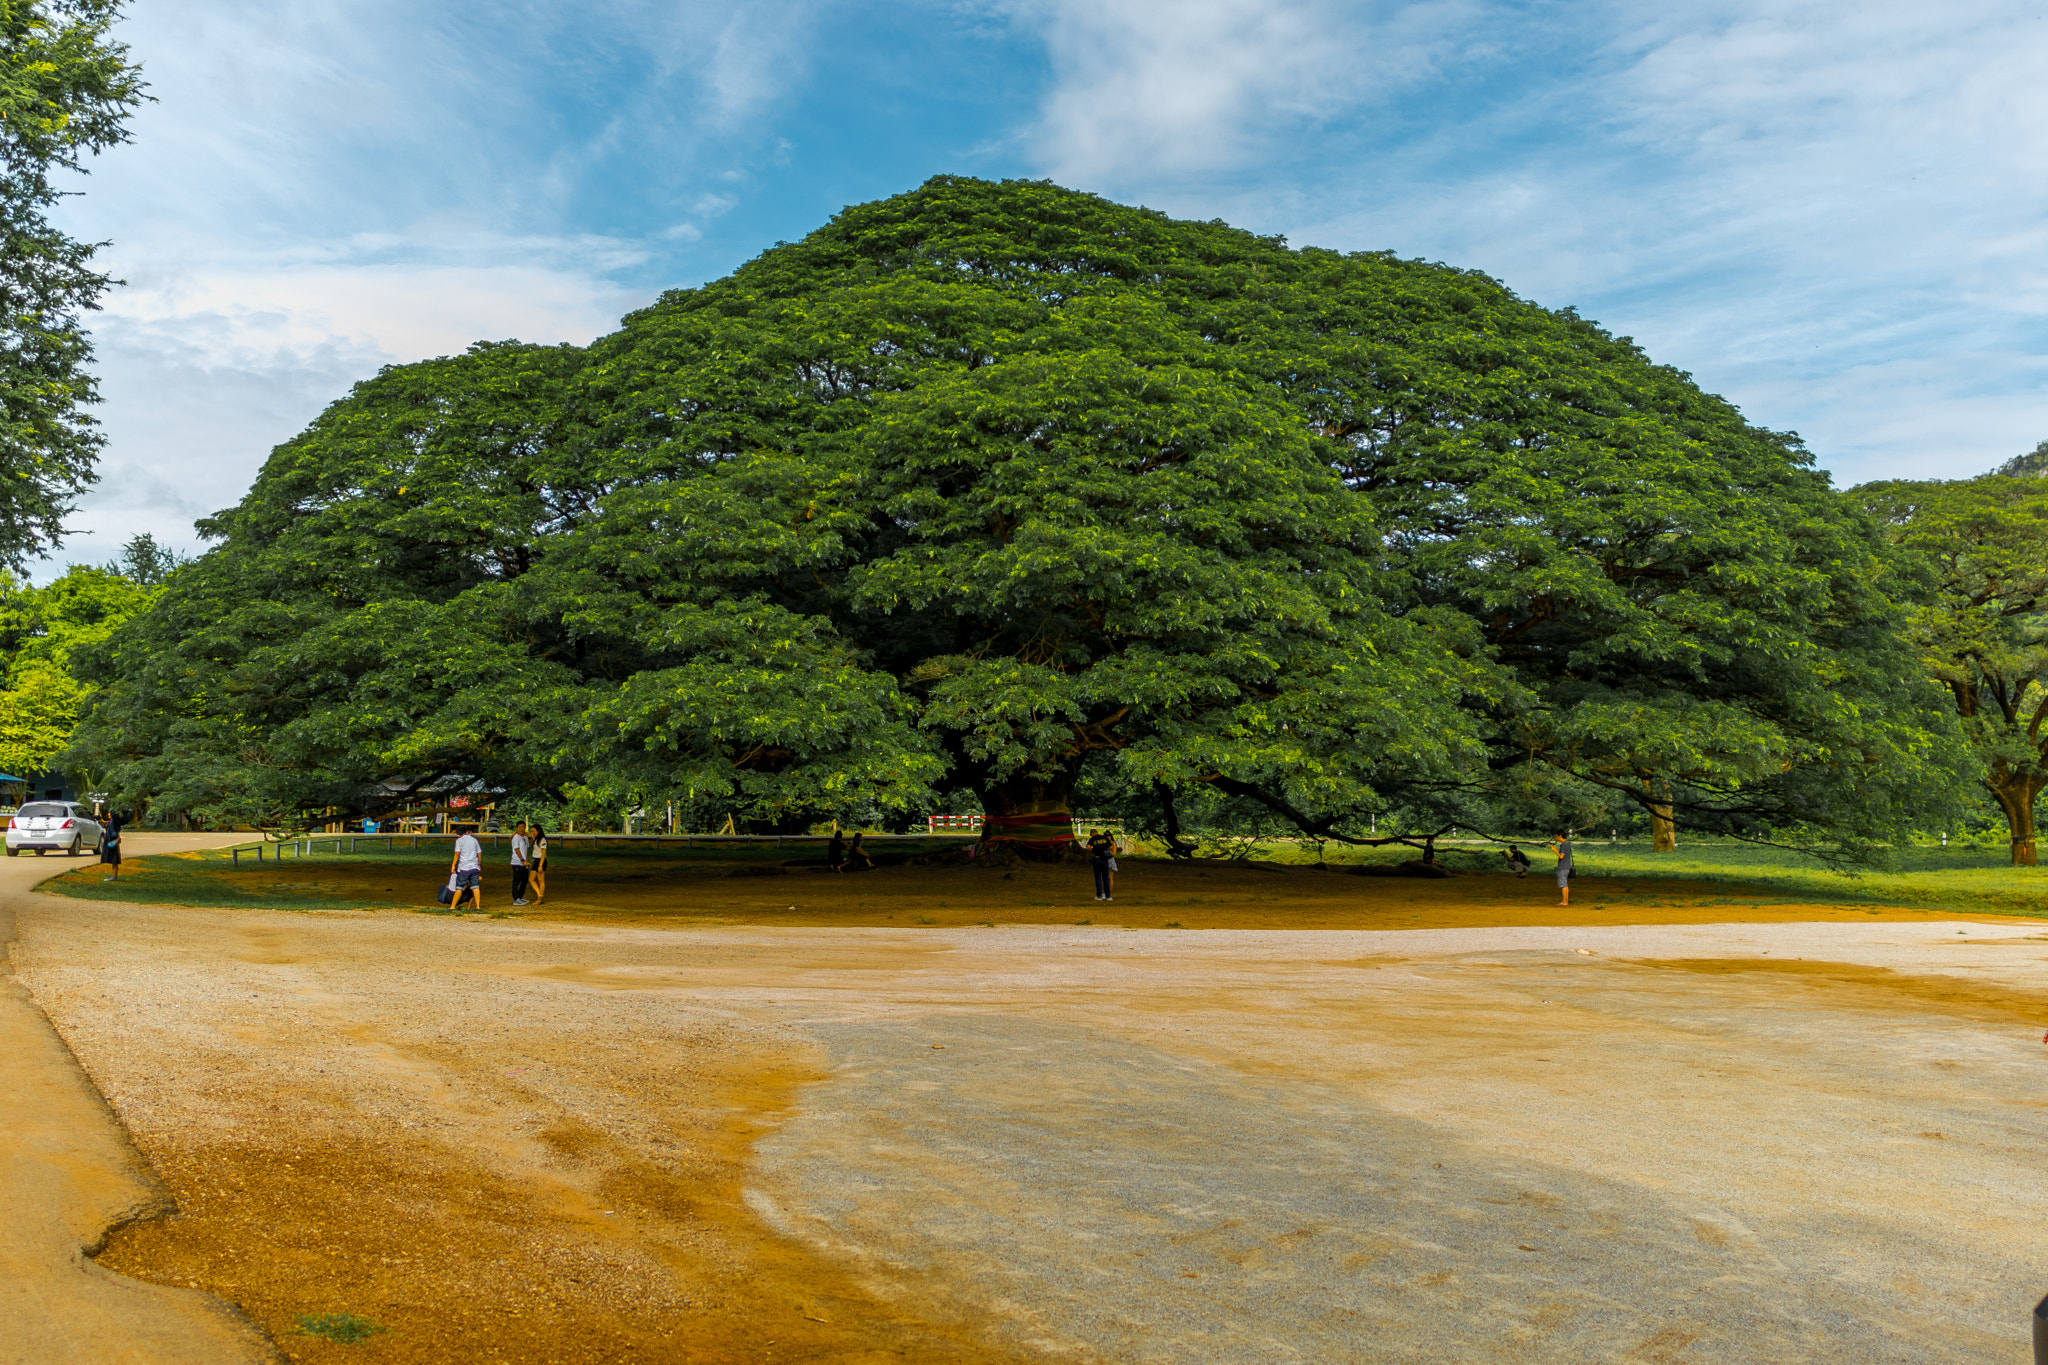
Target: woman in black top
x,y
110,847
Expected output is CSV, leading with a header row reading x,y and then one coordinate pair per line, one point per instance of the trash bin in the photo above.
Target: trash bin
x,y
2041,1333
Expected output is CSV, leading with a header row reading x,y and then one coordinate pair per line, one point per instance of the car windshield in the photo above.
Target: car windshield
x,y
35,808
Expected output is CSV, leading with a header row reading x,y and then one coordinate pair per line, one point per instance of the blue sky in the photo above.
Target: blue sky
x,y
1832,211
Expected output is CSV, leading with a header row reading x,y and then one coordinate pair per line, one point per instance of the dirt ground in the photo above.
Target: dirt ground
x,y
925,1115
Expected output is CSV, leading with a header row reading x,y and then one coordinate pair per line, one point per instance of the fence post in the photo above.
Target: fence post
x,y
235,856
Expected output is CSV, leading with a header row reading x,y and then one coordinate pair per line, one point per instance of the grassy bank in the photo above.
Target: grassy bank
x,y
1279,888
1976,879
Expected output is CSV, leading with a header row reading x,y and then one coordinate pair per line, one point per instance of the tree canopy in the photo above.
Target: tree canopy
x,y
66,90
41,632
1983,630
988,485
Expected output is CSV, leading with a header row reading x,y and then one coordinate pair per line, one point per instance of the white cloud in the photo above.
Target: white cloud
x,y
206,366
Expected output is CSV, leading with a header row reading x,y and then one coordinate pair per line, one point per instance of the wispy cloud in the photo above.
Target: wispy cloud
x,y
327,187
1797,201
1210,85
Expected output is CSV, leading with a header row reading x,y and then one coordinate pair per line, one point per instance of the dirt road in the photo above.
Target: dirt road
x,y
70,1175
531,1141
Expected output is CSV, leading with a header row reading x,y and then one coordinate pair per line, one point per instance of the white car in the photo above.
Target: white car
x,y
44,825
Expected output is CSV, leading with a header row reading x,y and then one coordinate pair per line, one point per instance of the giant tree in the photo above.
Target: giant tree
x,y
66,90
989,483
1983,632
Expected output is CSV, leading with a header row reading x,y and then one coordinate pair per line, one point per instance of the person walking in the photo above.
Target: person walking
x,y
110,847
857,853
521,845
1102,849
467,867
1561,845
835,852
537,865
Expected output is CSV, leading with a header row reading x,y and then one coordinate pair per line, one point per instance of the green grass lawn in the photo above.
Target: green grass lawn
x,y
1960,877
374,877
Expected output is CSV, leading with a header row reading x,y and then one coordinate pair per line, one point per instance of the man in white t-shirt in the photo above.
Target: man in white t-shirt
x,y
521,846
468,868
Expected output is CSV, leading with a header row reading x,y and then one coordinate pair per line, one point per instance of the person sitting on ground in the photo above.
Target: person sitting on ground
x,y
537,864
857,854
110,847
468,868
1101,848
1517,860
835,852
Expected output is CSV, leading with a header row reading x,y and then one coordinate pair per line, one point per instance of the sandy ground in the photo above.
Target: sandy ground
x,y
527,1140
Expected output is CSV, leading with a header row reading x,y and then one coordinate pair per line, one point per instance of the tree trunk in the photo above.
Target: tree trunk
x,y
2016,798
1663,830
1031,795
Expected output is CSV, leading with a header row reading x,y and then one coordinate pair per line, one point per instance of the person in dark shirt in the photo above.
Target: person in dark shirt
x,y
110,847
1102,849
1517,860
835,852
857,853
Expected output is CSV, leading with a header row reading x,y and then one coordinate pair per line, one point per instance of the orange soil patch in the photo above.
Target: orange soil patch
x,y
596,1255
1881,987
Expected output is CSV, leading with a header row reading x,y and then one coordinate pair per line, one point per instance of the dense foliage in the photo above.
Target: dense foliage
x,y
990,486
1983,631
42,631
65,91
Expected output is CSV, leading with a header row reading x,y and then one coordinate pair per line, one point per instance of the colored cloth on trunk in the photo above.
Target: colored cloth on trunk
x,y
1038,829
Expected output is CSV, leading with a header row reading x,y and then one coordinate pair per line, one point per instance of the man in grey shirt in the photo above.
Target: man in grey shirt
x,y
468,867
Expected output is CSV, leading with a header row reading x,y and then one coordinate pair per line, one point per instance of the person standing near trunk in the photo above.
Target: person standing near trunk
x,y
521,845
1101,849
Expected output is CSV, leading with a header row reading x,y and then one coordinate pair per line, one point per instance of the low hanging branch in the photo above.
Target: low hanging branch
x,y
1321,829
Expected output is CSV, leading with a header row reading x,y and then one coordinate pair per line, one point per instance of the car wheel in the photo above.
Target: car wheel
x,y
14,853
72,852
